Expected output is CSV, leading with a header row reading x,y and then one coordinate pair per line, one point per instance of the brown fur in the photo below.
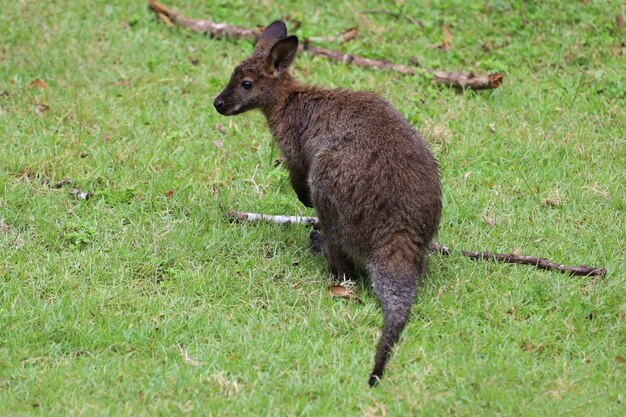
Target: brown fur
x,y
352,156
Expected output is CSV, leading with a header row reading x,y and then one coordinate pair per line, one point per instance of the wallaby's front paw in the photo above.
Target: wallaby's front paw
x,y
316,242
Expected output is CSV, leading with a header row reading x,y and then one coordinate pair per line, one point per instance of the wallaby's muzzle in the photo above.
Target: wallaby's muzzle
x,y
218,103
226,105
221,106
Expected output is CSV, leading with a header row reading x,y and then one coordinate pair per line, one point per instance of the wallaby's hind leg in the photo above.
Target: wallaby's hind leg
x,y
339,262
396,292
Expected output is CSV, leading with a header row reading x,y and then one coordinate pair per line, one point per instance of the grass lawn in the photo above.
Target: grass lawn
x,y
143,300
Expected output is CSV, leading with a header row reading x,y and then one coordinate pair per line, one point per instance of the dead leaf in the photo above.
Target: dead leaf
x,y
447,38
217,143
40,109
278,161
349,34
5,94
219,128
38,83
492,127
620,359
619,20
528,347
337,290
122,83
169,193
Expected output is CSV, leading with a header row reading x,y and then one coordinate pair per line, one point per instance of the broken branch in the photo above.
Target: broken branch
x,y
238,216
225,30
512,258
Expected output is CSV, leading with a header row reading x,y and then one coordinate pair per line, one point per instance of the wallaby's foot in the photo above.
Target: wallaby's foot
x,y
340,264
374,380
317,241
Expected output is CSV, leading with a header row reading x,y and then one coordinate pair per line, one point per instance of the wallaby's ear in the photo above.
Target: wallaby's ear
x,y
282,53
274,32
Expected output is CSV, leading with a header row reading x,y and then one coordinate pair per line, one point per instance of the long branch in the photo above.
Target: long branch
x,y
225,30
512,258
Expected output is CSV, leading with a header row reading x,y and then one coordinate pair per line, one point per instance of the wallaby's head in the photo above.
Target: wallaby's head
x,y
255,81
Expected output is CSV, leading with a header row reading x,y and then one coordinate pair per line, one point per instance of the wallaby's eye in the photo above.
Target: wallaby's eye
x,y
247,85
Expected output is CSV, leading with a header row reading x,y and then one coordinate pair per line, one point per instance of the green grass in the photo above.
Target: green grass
x,y
143,302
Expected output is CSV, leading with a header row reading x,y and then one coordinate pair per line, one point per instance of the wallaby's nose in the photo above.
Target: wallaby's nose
x,y
218,103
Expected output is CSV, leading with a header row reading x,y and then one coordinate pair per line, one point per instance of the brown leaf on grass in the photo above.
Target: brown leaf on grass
x,y
620,359
38,83
217,143
219,128
169,193
447,38
528,347
619,20
40,109
337,290
351,33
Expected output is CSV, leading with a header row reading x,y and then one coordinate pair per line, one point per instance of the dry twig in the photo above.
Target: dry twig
x,y
225,30
540,263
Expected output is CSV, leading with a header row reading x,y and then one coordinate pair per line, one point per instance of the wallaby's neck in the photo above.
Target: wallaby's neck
x,y
276,108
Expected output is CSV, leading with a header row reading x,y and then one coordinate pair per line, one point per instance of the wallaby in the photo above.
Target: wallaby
x,y
369,175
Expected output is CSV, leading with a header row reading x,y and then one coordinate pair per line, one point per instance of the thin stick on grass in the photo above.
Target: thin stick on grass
x,y
225,30
541,263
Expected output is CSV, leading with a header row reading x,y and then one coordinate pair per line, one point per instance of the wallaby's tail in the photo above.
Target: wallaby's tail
x,y
396,292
